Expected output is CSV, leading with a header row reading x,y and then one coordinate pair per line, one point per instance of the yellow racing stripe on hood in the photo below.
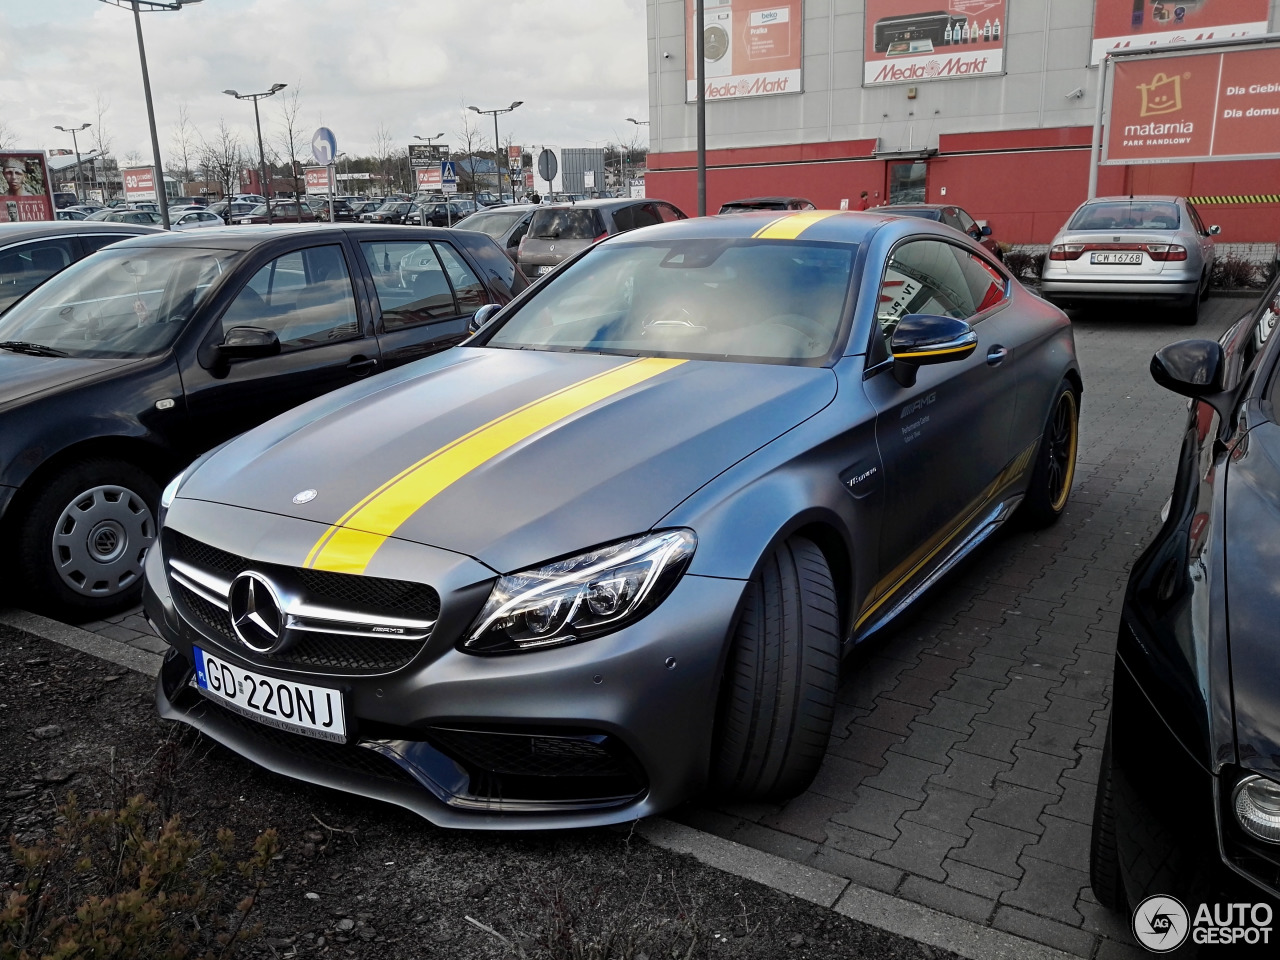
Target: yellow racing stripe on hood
x,y
792,225
350,543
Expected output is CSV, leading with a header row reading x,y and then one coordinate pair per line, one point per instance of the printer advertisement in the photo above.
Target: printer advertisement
x,y
911,41
752,48
1132,24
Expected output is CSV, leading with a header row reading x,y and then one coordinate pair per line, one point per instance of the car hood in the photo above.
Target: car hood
x,y
1252,549
23,376
621,443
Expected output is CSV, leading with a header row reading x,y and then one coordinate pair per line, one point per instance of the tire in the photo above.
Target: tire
x,y
778,696
1188,314
1104,858
1055,463
82,537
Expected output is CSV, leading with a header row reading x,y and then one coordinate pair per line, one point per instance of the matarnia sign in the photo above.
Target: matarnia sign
x,y
1177,108
913,41
751,48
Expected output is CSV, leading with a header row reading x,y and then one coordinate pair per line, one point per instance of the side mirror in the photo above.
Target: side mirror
x,y
482,316
921,339
1192,368
986,231
1215,230
248,343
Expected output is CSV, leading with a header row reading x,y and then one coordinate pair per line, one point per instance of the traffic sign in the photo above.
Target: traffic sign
x,y
547,165
324,146
448,176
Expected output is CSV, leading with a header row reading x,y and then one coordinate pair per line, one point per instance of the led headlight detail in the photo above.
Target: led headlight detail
x,y
1256,801
583,596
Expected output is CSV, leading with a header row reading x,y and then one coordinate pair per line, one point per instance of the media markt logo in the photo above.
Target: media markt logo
x,y
1162,95
1160,924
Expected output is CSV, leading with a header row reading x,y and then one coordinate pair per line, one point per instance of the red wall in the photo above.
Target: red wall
x,y
1025,183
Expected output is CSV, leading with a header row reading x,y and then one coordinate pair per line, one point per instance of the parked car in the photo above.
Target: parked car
x,y
232,210
87,207
556,232
393,211
359,207
63,200
343,211
436,214
955,217
1132,248
284,211
126,215
1189,786
196,219
602,555
68,214
31,253
254,198
767,203
118,371
507,225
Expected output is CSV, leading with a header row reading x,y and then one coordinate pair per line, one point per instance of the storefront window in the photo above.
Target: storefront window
x,y
906,182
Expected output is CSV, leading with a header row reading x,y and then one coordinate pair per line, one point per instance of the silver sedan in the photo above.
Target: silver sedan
x,y
1131,248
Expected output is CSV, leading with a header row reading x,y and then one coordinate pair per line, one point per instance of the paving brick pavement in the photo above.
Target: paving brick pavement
x,y
961,770
961,773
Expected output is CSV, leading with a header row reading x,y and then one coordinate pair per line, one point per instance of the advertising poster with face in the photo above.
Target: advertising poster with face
x,y
1125,24
752,48
1196,106
28,195
911,41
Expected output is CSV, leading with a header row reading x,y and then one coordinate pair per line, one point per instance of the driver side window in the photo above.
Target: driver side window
x,y
922,276
304,296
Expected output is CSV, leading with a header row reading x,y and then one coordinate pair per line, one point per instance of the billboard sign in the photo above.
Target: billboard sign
x,y
318,182
1176,108
913,41
28,194
139,183
427,154
751,48
515,158
1128,24
428,179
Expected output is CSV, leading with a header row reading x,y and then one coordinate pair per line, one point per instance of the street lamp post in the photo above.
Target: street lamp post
x,y
257,122
137,6
497,166
76,146
429,141
638,123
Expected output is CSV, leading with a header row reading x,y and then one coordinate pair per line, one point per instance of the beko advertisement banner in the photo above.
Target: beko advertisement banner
x,y
752,48
911,41
1129,24
1178,108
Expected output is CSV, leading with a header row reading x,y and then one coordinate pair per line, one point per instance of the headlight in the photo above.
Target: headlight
x,y
583,596
1256,801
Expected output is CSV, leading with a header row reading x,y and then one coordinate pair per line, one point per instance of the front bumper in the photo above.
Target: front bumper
x,y
458,738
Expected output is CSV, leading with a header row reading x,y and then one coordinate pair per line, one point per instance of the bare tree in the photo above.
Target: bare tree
x,y
384,150
184,142
133,159
8,139
290,140
222,158
100,138
469,142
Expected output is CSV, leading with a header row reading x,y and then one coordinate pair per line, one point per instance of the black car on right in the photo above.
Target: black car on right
x,y
1188,799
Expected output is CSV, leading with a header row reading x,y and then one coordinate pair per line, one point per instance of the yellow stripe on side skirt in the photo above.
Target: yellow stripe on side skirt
x,y
790,227
349,545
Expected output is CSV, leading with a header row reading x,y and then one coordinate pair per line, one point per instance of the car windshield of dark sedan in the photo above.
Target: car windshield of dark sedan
x,y
117,303
747,299
495,223
1126,215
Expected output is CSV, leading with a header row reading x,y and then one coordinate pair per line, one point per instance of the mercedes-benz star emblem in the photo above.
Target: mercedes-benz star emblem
x,y
256,615
304,496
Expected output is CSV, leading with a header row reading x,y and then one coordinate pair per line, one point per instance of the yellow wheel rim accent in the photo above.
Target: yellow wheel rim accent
x,y
1067,398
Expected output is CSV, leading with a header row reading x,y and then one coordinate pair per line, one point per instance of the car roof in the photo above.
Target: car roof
x,y
1136,198
830,226
595,204
731,203
249,236
13,232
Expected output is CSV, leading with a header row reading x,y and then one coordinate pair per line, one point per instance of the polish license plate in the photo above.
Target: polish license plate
x,y
283,704
545,268
1127,258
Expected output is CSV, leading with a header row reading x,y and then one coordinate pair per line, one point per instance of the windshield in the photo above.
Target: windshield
x,y
117,303
494,224
923,214
1126,215
718,299
565,224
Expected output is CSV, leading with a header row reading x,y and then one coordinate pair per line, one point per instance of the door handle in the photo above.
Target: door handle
x,y
362,363
996,355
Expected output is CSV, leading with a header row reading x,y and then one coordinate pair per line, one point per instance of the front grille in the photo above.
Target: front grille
x,y
349,595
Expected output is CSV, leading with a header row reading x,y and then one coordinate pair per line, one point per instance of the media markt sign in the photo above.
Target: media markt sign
x,y
913,41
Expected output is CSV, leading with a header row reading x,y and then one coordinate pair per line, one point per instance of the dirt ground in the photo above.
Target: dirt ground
x,y
355,878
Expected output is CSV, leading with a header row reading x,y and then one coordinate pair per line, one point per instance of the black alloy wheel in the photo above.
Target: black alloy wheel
x,y
1055,463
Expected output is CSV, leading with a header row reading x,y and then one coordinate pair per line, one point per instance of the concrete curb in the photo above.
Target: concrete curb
x,y
68,636
876,909
871,907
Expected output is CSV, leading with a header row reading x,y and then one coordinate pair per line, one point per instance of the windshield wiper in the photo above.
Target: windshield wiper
x,y
33,349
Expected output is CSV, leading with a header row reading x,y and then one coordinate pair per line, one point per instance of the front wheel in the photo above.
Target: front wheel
x,y
82,538
778,695
1055,463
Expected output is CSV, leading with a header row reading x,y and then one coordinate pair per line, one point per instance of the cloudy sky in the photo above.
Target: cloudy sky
x,y
409,66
